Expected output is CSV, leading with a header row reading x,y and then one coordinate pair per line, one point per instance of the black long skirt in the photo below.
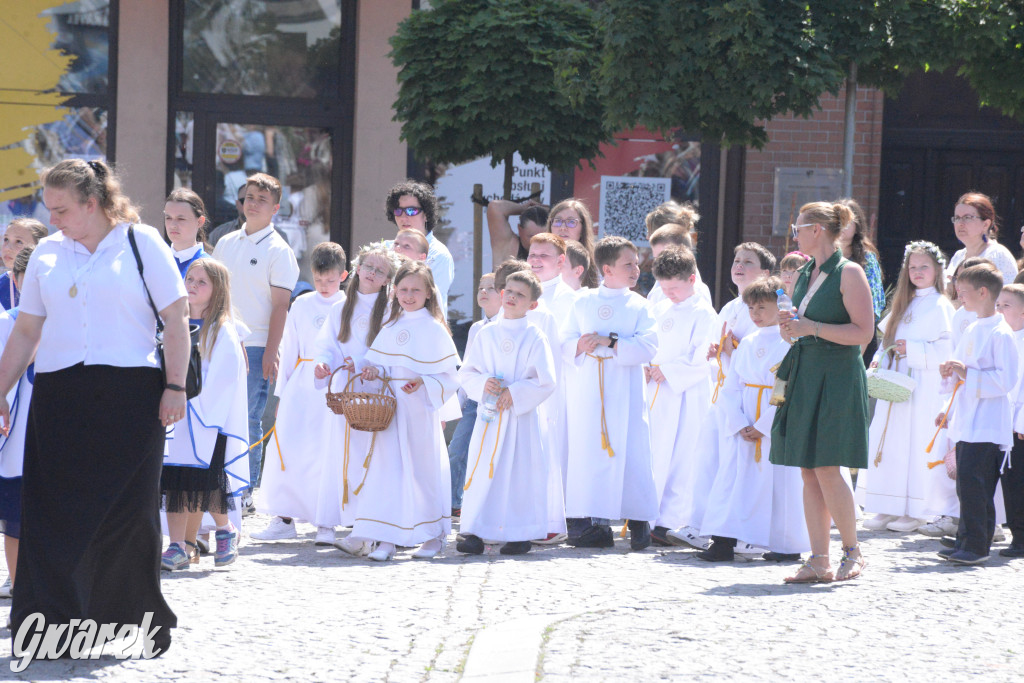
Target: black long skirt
x,y
90,525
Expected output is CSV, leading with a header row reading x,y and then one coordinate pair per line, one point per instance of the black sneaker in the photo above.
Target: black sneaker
x,y
772,556
456,513
1015,550
659,536
639,535
596,536
470,545
516,548
718,552
946,552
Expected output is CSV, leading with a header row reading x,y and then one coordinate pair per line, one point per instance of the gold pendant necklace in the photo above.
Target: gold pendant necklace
x,y
73,292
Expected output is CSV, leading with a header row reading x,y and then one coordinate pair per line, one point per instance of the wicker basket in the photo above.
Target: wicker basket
x,y
889,385
365,411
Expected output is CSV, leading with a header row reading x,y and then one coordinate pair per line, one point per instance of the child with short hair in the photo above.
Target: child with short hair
x,y
985,363
489,300
264,272
19,234
751,262
678,382
751,499
1011,305
292,481
511,359
788,267
406,498
12,443
411,244
577,263
610,335
916,339
341,345
673,235
206,466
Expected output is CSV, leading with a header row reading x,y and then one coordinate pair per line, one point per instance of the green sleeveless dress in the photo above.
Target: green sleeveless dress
x,y
824,421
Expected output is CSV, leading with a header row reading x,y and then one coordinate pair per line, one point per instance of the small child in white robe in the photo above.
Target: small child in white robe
x,y
751,261
610,336
406,497
294,454
338,354
507,501
751,499
678,381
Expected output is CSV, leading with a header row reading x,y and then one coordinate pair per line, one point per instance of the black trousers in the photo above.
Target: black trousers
x,y
977,473
1013,491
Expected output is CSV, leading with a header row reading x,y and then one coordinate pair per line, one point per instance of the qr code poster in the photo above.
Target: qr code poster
x,y
626,201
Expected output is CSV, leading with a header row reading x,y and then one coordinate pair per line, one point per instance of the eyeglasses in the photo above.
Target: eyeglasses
x,y
565,223
962,219
370,270
408,211
795,227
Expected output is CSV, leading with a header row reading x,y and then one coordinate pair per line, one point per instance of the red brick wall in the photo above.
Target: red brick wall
x,y
816,142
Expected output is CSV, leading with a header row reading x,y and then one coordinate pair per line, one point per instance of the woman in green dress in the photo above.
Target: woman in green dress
x,y
823,424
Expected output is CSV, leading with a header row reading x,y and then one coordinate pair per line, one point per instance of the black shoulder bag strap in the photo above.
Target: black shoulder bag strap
x,y
138,262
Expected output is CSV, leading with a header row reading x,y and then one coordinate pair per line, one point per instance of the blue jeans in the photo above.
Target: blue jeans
x,y
257,389
458,450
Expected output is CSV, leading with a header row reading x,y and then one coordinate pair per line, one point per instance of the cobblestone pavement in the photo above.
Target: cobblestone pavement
x,y
288,610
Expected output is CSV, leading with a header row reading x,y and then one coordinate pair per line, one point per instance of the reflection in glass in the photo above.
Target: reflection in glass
x,y
183,135
261,47
300,158
83,30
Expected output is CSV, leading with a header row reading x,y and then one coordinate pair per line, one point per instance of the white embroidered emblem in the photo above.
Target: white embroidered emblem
x,y
964,324
605,312
761,351
507,346
363,321
403,338
318,322
668,324
908,319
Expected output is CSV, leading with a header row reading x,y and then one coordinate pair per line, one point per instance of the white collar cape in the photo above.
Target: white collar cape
x,y
417,343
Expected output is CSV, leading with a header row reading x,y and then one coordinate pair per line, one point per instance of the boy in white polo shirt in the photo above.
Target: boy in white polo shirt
x,y
263,273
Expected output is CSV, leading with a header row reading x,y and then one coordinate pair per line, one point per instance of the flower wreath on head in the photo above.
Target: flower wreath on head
x,y
931,248
394,258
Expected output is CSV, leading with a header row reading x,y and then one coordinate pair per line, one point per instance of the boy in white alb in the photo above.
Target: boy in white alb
x,y
678,381
982,373
507,488
610,336
751,262
263,274
1011,305
752,499
673,235
291,479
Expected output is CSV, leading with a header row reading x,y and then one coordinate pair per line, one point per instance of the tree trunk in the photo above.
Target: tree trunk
x,y
850,128
509,169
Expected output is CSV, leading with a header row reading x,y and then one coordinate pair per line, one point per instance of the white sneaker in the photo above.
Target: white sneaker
x,y
430,549
879,522
277,530
743,548
905,524
324,535
354,547
687,535
383,553
939,527
998,536
5,589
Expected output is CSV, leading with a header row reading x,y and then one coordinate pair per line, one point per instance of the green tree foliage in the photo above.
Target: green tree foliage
x,y
713,68
989,39
492,77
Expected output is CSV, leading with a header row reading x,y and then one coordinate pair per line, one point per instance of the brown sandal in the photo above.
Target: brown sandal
x,y
850,567
808,573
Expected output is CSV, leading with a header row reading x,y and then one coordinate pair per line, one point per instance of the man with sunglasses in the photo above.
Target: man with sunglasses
x,y
411,205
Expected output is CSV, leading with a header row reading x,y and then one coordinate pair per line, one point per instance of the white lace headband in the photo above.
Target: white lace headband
x,y
923,245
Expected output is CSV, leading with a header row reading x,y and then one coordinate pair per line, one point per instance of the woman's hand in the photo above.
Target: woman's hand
x,y
172,407
370,374
801,327
412,385
322,371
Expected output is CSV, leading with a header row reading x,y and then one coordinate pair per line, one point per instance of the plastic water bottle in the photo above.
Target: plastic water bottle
x,y
488,409
785,303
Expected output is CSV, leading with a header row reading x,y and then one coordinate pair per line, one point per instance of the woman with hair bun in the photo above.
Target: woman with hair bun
x,y
823,424
90,543
977,227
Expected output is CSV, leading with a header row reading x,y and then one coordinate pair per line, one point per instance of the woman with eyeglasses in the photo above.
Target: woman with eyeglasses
x,y
570,220
412,205
977,227
823,424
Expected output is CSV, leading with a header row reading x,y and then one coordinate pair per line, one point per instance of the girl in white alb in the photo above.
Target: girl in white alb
x,y
340,348
293,462
917,338
406,498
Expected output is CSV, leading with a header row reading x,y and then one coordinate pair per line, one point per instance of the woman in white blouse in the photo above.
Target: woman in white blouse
x,y
90,545
977,227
